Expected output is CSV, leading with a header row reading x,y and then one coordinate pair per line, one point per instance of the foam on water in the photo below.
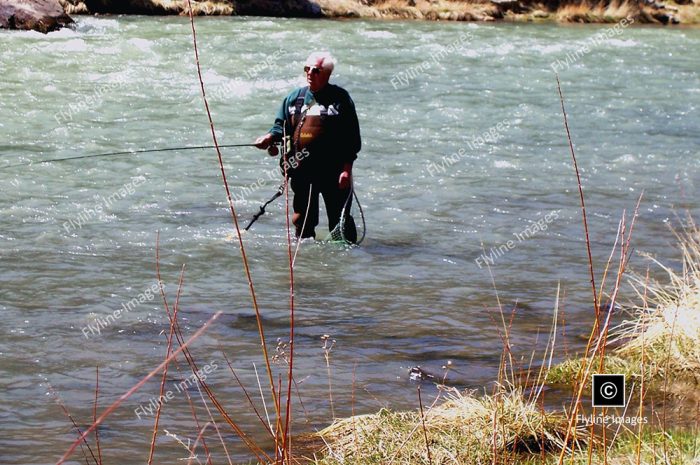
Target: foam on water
x,y
501,164
70,46
61,33
378,34
89,24
502,49
258,23
622,43
626,159
547,49
142,44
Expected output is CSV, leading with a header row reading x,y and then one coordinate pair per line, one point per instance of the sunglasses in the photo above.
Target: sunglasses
x,y
313,70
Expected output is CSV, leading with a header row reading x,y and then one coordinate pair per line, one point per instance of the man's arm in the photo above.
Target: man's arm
x,y
277,129
352,142
276,132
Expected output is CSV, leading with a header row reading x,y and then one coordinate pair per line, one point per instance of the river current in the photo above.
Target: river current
x,y
465,163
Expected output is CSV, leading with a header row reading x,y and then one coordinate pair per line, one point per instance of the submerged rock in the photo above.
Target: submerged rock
x,y
38,15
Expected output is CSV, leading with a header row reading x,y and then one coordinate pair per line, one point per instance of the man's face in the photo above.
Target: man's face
x,y
316,76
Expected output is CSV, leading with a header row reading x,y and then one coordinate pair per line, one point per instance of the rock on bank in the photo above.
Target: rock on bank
x,y
39,15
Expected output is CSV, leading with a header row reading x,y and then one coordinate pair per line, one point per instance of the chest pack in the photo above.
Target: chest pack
x,y
310,123
310,128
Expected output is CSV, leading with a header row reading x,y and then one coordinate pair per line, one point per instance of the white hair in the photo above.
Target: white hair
x,y
327,60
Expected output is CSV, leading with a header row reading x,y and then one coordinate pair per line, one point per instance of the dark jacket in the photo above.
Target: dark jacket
x,y
340,140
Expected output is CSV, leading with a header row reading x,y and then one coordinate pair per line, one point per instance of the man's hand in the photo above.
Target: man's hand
x,y
272,150
263,142
345,177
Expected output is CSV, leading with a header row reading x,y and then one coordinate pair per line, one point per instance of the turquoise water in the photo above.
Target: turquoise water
x,y
464,151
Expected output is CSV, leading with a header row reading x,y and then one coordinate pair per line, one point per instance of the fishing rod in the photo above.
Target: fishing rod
x,y
128,152
275,196
278,194
280,190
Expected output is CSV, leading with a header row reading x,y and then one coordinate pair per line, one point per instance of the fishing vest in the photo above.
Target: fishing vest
x,y
310,130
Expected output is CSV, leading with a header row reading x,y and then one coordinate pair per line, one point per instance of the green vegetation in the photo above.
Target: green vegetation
x,y
673,447
568,371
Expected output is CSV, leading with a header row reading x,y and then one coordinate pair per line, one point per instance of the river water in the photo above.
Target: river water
x,y
78,238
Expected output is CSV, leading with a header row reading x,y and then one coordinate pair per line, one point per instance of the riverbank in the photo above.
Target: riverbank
x,y
48,15
501,431
584,11
657,349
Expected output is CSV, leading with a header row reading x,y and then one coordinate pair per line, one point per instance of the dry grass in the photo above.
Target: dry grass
x,y
74,7
688,13
208,8
662,334
596,12
586,11
446,10
666,330
347,9
463,429
419,9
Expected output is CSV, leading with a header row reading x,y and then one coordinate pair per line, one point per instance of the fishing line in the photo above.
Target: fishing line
x,y
127,152
303,224
362,216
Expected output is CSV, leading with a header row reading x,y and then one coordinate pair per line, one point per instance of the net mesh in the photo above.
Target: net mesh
x,y
346,230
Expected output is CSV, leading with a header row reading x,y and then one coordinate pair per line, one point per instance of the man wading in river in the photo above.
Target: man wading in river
x,y
321,122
